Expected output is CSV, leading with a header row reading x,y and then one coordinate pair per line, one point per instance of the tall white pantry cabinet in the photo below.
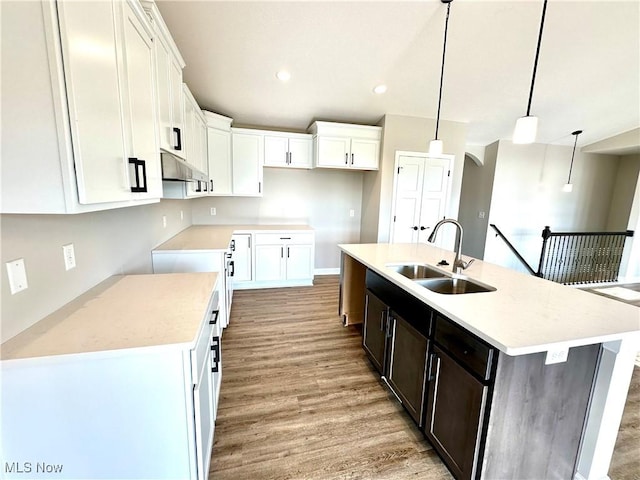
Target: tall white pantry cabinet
x,y
78,108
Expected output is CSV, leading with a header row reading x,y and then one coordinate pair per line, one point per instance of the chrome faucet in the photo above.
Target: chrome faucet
x,y
458,263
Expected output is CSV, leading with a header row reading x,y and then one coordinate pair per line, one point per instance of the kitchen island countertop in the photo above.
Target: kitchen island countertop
x,y
525,314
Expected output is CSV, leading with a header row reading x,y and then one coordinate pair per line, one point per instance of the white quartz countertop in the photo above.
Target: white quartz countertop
x,y
525,314
216,237
130,311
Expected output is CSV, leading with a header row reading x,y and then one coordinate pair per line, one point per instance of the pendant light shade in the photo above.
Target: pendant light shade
x,y
527,126
568,187
435,145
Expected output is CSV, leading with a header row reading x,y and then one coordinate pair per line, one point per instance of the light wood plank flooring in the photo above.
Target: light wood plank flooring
x,y
299,399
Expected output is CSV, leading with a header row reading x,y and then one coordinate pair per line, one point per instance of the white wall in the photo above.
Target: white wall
x,y
527,195
106,243
321,198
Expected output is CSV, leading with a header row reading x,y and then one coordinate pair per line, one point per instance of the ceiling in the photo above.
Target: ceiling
x,y
588,74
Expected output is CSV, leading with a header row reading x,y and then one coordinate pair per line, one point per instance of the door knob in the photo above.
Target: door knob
x,y
415,227
422,228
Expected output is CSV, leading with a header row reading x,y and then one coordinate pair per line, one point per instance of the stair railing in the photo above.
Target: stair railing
x,y
576,257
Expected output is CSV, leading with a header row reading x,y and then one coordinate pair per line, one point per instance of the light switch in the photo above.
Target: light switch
x,y
17,276
213,210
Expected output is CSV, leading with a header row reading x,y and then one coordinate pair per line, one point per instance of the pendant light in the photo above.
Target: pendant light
x,y
435,145
568,187
527,126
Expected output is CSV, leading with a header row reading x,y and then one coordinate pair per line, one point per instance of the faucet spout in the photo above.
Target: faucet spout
x,y
458,263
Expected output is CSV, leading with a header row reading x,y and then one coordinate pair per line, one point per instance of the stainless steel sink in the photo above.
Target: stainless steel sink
x,y
417,271
454,285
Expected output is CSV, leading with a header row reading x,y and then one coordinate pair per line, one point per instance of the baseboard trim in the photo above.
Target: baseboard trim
x,y
327,271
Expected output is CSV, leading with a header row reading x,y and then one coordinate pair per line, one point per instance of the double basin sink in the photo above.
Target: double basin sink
x,y
439,281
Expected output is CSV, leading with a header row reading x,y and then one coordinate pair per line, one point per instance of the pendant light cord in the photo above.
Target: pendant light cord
x,y
535,63
444,51
576,133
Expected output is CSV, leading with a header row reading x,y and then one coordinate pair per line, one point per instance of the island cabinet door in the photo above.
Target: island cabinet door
x,y
374,330
407,365
455,411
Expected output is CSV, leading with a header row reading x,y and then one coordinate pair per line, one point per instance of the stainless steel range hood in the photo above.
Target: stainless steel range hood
x,y
177,170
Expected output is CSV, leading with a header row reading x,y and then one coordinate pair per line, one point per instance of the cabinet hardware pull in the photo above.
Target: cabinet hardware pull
x,y
214,320
432,359
178,145
281,252
390,325
382,321
259,187
140,186
232,264
352,159
249,241
346,159
287,252
215,357
233,245
285,238
290,155
211,189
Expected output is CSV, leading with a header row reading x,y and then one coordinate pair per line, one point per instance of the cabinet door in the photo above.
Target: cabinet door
x,y
142,141
333,152
300,152
89,44
247,164
177,109
407,366
241,251
269,262
219,155
364,154
203,416
374,331
299,259
189,142
276,151
455,410
163,83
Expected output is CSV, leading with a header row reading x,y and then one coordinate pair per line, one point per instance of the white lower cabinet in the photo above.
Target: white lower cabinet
x,y
241,252
284,258
134,413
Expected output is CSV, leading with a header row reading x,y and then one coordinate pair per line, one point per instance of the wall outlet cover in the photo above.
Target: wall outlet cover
x,y
557,356
17,276
213,210
69,256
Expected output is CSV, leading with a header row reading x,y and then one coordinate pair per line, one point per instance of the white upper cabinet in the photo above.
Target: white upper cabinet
x,y
78,92
346,146
289,150
219,153
247,158
169,65
194,134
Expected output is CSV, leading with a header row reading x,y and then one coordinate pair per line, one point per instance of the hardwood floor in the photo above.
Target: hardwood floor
x,y
299,399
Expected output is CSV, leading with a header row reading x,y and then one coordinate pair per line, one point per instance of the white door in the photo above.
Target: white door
x,y
299,262
364,154
142,143
421,188
89,44
241,257
333,152
276,151
247,164
269,262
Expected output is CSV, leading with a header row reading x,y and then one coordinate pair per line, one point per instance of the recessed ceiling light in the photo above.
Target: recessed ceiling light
x,y
283,76
379,89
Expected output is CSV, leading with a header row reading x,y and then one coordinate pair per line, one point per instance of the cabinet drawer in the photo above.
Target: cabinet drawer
x,y
284,237
470,351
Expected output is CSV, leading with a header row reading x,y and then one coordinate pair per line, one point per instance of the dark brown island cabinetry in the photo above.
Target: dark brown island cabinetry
x,y
487,414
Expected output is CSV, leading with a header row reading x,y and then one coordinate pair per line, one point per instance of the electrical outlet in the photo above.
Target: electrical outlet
x,y
17,276
481,214
164,221
69,256
556,356
181,215
213,210
352,213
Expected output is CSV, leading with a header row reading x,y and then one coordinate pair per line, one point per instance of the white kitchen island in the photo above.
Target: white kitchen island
x,y
524,318
121,383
